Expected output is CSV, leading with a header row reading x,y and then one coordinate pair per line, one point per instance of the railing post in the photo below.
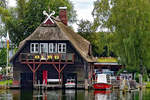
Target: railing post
x,y
66,57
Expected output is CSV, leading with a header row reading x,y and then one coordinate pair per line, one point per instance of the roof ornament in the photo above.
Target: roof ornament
x,y
48,16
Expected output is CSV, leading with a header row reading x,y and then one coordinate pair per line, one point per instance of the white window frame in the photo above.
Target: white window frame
x,y
60,47
53,48
46,44
34,46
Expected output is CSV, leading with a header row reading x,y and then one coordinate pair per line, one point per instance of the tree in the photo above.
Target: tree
x,y
99,40
22,20
85,30
3,3
84,27
129,22
101,13
2,29
3,57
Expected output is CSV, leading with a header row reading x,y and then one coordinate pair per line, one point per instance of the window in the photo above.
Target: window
x,y
61,47
48,48
53,48
64,48
34,48
43,47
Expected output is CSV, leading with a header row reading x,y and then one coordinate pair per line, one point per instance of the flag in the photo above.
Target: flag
x,y
7,39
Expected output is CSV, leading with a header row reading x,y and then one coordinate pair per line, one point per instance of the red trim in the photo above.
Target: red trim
x,y
102,86
26,62
33,70
59,70
30,67
48,22
37,67
15,82
63,67
55,67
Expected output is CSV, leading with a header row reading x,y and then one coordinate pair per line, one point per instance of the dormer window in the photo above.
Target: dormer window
x,y
43,47
48,48
61,47
57,47
34,48
52,47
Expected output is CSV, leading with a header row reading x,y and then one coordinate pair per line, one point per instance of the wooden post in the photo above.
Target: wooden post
x,y
33,74
140,81
86,84
33,77
59,77
86,75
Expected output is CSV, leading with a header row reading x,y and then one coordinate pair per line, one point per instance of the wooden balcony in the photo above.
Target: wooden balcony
x,y
64,58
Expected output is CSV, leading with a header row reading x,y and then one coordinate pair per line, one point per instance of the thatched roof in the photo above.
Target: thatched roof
x,y
59,31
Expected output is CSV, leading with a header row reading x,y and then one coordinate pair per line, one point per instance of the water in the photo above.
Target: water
x,y
73,95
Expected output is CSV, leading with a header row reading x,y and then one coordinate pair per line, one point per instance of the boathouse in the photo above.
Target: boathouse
x,y
53,52
108,65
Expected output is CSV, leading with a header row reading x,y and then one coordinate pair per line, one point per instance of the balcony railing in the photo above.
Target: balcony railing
x,y
29,57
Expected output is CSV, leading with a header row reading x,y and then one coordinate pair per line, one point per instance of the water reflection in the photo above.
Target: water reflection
x,y
73,95
55,95
102,95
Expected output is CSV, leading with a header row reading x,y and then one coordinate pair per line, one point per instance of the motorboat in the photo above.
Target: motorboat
x,y
70,83
102,81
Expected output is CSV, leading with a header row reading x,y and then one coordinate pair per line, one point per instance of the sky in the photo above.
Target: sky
x,y
82,7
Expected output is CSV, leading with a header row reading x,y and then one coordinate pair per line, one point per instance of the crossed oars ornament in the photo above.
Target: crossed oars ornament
x,y
48,16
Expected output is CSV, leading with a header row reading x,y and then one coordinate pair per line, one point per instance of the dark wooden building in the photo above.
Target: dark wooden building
x,y
53,51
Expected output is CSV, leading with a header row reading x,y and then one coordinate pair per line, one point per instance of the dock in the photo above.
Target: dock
x,y
55,86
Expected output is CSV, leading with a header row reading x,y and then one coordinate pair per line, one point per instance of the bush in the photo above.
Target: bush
x,y
145,76
137,77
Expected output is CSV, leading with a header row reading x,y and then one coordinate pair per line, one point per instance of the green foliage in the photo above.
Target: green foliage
x,y
129,23
6,82
120,71
27,16
137,77
85,30
101,13
145,77
3,57
84,27
110,59
147,84
3,3
2,31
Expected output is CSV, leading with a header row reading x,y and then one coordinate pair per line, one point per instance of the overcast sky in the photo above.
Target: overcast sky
x,y
83,8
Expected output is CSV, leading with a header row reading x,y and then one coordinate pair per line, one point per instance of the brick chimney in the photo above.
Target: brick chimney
x,y
63,15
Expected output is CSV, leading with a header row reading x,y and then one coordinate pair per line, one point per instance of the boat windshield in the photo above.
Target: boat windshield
x,y
103,78
70,80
